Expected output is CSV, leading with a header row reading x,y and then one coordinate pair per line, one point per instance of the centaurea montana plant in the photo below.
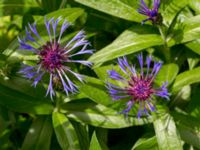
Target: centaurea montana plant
x,y
138,86
54,57
153,14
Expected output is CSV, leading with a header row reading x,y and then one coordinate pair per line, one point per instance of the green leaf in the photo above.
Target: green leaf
x,y
94,144
130,41
189,129
70,14
39,135
187,31
82,134
195,4
98,115
166,133
194,46
20,7
95,90
146,142
65,132
171,8
102,136
186,78
24,103
167,73
114,7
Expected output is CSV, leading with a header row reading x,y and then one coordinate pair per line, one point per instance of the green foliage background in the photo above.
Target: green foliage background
x,y
89,120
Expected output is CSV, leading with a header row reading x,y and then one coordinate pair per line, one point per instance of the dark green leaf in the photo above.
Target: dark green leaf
x,y
39,135
20,102
95,90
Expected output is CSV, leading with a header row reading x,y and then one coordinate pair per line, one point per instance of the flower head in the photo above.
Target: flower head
x,y
152,14
54,57
138,86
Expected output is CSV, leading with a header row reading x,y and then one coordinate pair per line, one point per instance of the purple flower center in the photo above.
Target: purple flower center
x,y
52,56
140,89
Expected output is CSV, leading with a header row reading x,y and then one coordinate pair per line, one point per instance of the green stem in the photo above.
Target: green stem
x,y
166,49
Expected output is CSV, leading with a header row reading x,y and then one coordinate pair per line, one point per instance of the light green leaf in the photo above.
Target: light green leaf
x,y
98,115
114,7
17,7
187,31
194,46
130,41
146,142
39,135
195,4
189,129
171,8
65,132
166,133
94,144
186,78
167,74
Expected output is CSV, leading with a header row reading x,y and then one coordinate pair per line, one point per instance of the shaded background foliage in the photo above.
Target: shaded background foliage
x,y
90,119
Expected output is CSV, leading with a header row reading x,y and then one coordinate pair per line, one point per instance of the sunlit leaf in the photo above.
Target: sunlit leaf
x,y
65,132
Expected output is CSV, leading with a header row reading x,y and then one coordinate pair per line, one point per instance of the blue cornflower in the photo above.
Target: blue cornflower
x,y
54,57
137,87
152,14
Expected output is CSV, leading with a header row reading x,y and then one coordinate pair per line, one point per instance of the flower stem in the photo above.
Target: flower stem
x,y
165,49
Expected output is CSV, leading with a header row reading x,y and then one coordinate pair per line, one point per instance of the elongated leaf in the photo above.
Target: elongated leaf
x,y
167,74
39,135
95,90
24,103
70,14
195,4
94,144
99,115
171,8
65,132
114,7
187,31
194,46
166,133
17,7
149,143
186,78
189,128
130,41
102,136
82,134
